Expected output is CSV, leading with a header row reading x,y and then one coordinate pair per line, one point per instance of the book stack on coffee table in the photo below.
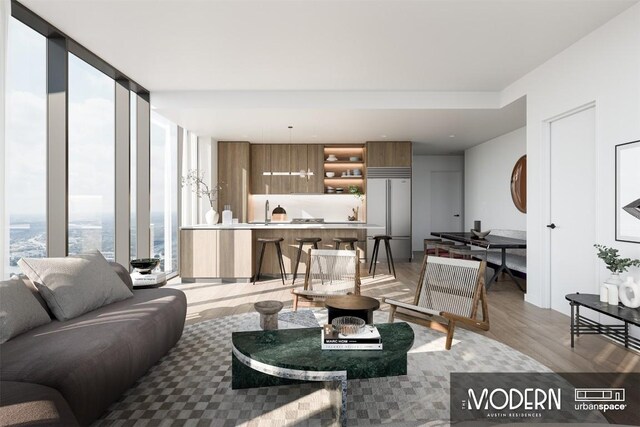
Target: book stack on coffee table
x,y
367,339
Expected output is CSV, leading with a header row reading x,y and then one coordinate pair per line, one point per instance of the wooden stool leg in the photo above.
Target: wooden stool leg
x,y
387,247
337,246
257,275
295,268
315,245
280,261
450,327
374,255
375,261
352,246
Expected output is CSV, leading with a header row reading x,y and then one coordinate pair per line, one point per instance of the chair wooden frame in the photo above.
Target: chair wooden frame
x,y
309,298
421,315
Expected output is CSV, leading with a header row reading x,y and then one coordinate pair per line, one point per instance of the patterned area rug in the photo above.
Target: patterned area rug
x,y
191,386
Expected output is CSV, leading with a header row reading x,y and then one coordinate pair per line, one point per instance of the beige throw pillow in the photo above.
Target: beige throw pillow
x,y
76,284
20,311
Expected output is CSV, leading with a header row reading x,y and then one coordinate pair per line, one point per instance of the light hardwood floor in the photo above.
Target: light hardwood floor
x,y
542,334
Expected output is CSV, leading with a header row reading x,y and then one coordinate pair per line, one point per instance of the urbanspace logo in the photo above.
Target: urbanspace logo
x,y
600,399
513,403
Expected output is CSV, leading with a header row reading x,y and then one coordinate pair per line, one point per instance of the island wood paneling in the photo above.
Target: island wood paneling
x,y
290,246
234,165
199,253
234,256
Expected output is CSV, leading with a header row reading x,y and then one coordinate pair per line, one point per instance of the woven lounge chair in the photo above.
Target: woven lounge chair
x,y
452,289
329,273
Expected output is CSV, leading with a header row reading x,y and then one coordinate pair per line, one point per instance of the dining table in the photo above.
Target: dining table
x,y
488,243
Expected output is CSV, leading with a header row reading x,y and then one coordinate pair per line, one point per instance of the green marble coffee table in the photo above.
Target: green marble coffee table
x,y
287,356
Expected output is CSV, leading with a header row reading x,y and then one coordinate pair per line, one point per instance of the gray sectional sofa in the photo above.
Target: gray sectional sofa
x,y
68,373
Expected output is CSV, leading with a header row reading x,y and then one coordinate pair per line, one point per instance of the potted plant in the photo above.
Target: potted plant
x,y
615,264
355,190
196,183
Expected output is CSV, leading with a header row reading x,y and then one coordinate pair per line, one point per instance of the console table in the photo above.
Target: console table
x,y
289,356
619,333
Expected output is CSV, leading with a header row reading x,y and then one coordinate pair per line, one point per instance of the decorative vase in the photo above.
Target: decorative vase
x,y
630,293
211,217
615,280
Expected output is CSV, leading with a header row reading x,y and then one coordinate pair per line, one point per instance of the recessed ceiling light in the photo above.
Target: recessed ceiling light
x,y
383,136
452,136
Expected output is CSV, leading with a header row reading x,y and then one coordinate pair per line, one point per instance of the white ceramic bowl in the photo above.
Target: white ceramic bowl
x,y
480,234
330,174
354,159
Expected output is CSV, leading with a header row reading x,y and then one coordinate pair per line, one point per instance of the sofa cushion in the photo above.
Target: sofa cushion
x,y
19,309
75,285
94,358
25,404
122,273
34,291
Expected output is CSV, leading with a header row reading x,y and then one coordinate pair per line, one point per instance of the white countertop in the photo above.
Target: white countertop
x,y
354,225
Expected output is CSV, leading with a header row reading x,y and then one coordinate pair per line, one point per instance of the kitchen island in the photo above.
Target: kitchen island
x,y
223,251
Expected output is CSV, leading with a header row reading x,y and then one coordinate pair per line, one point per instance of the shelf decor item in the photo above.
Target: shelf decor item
x,y
630,293
616,265
628,192
196,183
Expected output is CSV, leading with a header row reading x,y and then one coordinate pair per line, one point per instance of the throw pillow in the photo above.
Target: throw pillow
x,y
19,310
34,291
76,284
123,273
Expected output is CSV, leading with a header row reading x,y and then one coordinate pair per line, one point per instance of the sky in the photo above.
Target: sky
x,y
91,135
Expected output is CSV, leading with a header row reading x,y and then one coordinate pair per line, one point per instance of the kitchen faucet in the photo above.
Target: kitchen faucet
x,y
266,213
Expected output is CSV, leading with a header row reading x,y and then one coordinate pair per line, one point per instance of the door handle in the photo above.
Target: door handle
x,y
457,215
551,226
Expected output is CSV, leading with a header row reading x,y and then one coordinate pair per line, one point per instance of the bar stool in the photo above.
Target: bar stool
x,y
351,241
445,245
301,241
431,241
374,256
276,241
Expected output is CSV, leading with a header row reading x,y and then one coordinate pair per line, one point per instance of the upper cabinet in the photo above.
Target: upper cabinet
x,y
260,163
275,168
389,154
233,176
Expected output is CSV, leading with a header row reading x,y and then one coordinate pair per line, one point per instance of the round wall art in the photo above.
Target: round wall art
x,y
519,184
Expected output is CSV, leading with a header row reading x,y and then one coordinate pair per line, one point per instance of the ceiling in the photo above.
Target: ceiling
x,y
330,46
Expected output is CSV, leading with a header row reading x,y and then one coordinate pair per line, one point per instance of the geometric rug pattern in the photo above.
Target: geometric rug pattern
x,y
191,385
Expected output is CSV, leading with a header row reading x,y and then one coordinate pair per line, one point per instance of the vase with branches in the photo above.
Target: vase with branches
x,y
355,191
615,263
201,189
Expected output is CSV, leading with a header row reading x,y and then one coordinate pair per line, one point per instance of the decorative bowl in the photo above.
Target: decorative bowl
x,y
480,234
354,159
330,174
348,325
145,265
332,158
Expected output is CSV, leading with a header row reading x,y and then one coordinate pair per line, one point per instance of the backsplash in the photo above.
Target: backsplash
x,y
331,207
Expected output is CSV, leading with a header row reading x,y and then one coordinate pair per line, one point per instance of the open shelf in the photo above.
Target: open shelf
x,y
343,164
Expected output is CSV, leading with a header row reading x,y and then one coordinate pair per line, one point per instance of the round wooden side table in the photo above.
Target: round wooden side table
x,y
352,305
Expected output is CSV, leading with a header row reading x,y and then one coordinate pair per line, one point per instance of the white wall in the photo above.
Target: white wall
x,y
487,182
421,192
208,167
603,67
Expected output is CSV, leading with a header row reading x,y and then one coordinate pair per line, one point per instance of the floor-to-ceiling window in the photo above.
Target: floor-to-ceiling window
x,y
26,150
91,154
164,192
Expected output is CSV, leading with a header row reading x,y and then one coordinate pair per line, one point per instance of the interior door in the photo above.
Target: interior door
x,y
572,208
446,201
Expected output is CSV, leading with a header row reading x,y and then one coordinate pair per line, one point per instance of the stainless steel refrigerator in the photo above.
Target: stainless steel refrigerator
x,y
389,205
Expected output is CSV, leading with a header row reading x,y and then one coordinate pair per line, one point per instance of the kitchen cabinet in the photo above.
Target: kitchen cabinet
x,y
234,163
280,163
389,154
260,163
289,159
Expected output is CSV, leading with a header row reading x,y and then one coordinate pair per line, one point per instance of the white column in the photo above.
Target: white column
x,y
143,179
122,182
5,13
